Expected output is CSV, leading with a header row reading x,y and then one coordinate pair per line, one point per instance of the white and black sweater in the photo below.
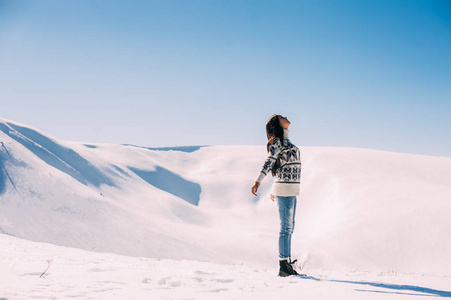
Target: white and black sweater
x,y
288,175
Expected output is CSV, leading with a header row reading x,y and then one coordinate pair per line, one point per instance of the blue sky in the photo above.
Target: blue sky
x,y
368,74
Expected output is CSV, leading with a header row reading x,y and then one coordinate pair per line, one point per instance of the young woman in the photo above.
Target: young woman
x,y
284,163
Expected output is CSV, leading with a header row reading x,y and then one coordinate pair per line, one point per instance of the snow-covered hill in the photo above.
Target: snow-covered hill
x,y
359,210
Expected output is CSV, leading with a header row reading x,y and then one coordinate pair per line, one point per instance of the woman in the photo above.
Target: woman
x,y
285,164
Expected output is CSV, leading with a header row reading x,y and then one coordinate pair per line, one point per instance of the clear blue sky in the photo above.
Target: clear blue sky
x,y
368,74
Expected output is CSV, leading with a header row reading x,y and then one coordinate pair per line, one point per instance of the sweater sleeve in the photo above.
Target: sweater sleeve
x,y
274,149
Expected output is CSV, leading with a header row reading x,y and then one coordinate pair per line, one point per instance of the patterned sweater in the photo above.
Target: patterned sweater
x,y
288,176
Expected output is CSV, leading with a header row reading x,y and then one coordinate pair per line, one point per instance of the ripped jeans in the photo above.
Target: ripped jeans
x,y
287,211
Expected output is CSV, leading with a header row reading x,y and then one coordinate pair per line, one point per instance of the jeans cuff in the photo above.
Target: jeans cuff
x,y
286,258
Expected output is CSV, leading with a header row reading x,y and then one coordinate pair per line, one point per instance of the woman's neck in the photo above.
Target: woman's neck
x,y
286,133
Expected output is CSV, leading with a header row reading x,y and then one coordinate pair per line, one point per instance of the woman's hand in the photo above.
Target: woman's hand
x,y
272,197
255,188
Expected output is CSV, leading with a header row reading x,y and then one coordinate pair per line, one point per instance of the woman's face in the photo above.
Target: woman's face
x,y
284,122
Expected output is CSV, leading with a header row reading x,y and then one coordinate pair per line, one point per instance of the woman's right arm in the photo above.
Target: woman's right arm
x,y
274,150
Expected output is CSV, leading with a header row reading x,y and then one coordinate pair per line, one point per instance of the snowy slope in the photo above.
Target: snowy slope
x,y
360,210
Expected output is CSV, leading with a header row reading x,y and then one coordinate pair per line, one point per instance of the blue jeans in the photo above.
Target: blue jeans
x,y
287,211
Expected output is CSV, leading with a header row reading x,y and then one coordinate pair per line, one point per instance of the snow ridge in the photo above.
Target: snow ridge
x,y
359,210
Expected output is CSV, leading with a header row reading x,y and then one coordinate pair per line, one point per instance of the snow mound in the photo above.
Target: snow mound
x,y
359,210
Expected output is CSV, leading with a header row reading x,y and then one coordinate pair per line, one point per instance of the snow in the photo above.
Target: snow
x,y
74,273
181,223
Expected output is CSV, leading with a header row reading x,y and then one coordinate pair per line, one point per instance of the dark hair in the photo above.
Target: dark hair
x,y
274,130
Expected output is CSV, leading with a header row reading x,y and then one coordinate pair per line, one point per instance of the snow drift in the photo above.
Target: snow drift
x,y
361,210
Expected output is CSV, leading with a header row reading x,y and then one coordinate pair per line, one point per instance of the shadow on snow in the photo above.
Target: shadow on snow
x,y
172,183
397,287
2,175
187,149
64,159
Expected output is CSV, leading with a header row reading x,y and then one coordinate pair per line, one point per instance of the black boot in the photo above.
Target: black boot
x,y
286,269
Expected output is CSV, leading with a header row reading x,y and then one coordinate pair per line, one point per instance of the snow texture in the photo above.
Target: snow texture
x,y
38,270
361,213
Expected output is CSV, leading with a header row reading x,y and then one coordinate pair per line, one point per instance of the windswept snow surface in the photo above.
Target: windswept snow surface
x,y
359,211
36,270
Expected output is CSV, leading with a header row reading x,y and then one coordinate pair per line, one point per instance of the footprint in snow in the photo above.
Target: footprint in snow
x,y
225,280
198,272
168,282
216,290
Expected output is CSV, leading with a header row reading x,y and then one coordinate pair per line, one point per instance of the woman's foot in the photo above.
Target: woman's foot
x,y
286,269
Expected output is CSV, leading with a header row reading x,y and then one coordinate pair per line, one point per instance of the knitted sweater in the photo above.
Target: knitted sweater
x,y
288,175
